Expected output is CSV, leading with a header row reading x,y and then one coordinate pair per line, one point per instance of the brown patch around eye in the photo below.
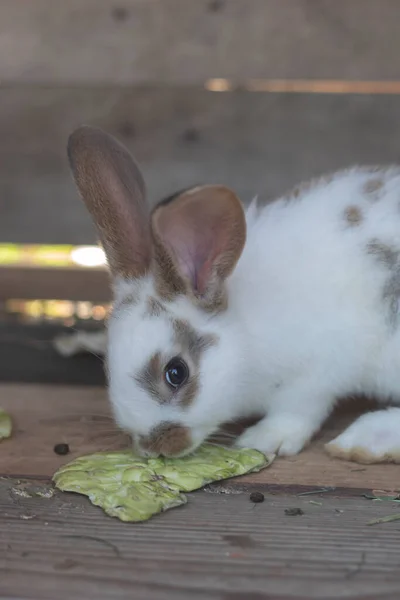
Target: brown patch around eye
x,y
353,215
191,347
372,187
150,378
190,390
167,439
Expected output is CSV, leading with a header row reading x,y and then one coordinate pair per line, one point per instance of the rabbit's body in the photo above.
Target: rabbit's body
x,y
321,273
210,325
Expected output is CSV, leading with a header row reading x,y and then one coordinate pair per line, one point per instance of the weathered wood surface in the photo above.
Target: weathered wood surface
x,y
218,547
45,415
256,143
55,284
104,41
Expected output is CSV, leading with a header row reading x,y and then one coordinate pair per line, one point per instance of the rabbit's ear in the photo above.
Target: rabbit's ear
x,y
113,190
199,236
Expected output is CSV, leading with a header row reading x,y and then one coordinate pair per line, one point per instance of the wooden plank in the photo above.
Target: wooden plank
x,y
100,41
45,415
217,547
256,143
54,284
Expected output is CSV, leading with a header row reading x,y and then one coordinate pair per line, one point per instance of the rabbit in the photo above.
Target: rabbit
x,y
220,313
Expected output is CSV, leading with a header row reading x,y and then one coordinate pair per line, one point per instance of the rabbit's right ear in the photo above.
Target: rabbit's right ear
x,y
113,190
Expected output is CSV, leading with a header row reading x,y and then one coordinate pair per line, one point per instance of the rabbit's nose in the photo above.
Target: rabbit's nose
x,y
167,439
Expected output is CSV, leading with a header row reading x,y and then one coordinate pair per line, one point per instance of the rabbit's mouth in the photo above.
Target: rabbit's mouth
x,y
171,440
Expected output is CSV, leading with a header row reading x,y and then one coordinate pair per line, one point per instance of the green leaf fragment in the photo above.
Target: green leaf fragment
x,y
387,519
5,425
133,489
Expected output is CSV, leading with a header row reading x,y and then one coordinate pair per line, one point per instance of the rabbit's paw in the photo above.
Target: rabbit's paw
x,y
283,435
372,438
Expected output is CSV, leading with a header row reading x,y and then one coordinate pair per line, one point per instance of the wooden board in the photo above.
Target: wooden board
x,y
80,416
74,284
257,143
101,41
218,547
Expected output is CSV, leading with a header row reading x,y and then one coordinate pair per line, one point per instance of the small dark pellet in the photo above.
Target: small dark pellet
x,y
293,512
256,497
191,135
61,449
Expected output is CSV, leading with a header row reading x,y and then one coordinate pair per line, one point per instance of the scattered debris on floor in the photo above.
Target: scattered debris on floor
x,y
294,512
5,425
28,490
134,489
387,519
383,495
256,497
61,449
323,490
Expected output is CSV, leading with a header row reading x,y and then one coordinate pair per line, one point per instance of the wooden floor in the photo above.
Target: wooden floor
x,y
219,546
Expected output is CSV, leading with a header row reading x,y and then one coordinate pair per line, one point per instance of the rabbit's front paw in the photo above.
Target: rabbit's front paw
x,y
285,435
372,438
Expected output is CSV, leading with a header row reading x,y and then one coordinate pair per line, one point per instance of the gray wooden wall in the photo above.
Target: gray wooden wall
x,y
141,69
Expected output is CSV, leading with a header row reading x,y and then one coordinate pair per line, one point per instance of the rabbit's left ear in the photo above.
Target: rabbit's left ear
x,y
112,187
200,235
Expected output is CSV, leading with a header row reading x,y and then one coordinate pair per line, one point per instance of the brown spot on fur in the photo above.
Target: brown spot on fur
x,y
154,308
361,455
167,439
353,215
390,258
384,253
372,186
304,187
191,341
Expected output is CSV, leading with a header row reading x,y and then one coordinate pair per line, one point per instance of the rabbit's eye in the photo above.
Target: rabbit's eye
x,y
176,372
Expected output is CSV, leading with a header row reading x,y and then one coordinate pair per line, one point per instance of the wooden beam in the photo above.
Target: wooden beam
x,y
258,143
28,283
154,41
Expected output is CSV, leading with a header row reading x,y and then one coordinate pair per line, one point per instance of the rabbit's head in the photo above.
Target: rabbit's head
x,y
169,362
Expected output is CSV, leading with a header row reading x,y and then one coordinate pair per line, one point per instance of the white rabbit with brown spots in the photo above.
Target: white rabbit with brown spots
x,y
220,314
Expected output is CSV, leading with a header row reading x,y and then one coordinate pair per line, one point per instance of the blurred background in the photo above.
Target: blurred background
x,y
255,94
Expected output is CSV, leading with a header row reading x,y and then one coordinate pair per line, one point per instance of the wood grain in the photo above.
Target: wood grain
x,y
256,143
45,415
103,41
54,284
217,547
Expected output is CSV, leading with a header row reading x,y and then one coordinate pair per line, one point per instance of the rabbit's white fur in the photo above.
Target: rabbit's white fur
x,y
307,322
